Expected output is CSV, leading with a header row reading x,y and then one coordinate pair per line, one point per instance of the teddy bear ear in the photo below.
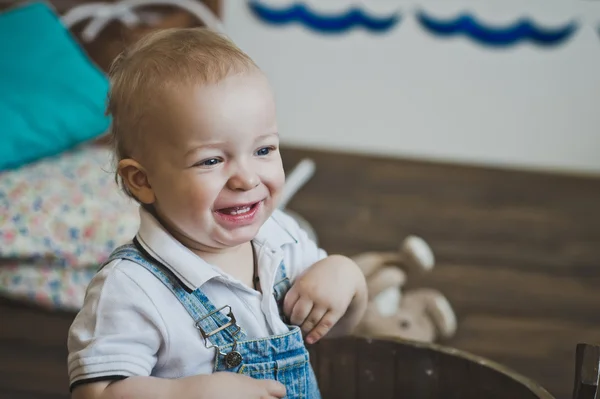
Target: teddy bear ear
x,y
440,311
418,253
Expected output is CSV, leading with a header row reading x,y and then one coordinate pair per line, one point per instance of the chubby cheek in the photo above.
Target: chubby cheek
x,y
186,198
274,179
199,196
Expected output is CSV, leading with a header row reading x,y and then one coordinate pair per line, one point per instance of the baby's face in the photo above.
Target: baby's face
x,y
216,170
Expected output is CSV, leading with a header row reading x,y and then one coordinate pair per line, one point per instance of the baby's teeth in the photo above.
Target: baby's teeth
x,y
242,210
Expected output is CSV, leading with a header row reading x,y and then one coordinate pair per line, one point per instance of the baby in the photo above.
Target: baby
x,y
218,292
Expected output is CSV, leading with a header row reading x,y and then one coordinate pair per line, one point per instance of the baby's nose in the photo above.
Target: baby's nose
x,y
244,180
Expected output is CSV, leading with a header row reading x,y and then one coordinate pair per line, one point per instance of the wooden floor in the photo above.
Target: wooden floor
x,y
518,255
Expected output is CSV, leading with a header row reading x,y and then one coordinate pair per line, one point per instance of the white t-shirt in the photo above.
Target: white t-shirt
x,y
131,324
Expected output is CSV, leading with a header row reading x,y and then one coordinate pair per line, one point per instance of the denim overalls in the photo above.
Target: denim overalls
x,y
281,357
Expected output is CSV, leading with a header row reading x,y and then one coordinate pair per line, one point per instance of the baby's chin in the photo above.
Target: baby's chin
x,y
234,238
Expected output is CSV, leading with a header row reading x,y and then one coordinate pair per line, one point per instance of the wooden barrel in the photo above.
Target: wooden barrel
x,y
361,368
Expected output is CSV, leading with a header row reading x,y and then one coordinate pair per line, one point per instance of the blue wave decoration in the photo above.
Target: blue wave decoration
x,y
522,30
330,24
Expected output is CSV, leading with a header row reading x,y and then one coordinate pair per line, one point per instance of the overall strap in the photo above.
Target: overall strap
x,y
280,288
212,323
280,274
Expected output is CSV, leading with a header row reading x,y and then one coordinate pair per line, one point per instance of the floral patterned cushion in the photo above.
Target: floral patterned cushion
x,y
53,288
65,211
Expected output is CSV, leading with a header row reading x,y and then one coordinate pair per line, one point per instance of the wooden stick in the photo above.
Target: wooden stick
x,y
587,361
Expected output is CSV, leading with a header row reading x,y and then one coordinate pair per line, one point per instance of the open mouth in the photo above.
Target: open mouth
x,y
238,210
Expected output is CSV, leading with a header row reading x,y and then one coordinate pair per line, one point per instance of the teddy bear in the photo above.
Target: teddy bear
x,y
421,314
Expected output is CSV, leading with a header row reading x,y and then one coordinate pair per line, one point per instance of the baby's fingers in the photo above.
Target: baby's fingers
x,y
313,319
301,310
275,389
290,301
326,324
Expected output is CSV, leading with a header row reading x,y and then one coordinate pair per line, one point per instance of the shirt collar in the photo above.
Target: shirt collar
x,y
188,267
274,233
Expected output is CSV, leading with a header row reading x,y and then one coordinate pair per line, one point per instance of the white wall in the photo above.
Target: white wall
x,y
407,93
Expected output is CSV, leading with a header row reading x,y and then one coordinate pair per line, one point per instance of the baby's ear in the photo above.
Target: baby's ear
x,y
136,180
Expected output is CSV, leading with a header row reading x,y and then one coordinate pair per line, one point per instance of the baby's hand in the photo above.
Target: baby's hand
x,y
226,385
323,294
222,385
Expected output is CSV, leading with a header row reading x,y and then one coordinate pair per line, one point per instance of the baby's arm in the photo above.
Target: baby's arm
x,y
351,275
143,387
329,298
328,294
213,386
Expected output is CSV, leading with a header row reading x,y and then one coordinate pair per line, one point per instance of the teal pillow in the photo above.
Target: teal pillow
x,y
52,97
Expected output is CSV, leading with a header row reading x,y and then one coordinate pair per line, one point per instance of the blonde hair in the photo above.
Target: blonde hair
x,y
164,58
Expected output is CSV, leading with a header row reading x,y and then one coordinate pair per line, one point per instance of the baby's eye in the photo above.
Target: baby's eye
x,y
264,151
209,162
